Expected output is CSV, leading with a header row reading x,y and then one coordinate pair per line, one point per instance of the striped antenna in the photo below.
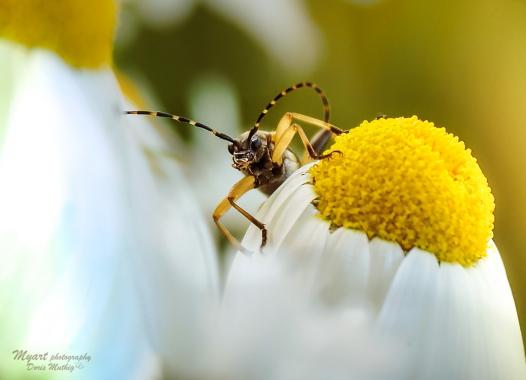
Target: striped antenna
x,y
183,120
324,100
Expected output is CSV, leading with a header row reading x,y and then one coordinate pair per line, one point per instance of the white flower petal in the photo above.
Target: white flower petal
x,y
269,327
406,311
344,271
103,247
453,321
268,212
385,259
297,207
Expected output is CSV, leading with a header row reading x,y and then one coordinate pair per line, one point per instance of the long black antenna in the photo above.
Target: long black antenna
x,y
324,100
183,120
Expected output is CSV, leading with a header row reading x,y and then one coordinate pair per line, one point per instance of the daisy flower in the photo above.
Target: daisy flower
x,y
399,226
104,250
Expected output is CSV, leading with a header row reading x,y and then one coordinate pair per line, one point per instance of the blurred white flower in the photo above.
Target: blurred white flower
x,y
450,313
103,247
209,166
283,27
269,327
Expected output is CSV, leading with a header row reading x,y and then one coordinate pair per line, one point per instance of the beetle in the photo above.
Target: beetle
x,y
264,157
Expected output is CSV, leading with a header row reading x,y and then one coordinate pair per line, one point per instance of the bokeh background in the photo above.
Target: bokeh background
x,y
461,64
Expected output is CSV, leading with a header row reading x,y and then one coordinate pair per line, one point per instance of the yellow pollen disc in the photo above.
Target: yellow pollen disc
x,y
81,32
404,180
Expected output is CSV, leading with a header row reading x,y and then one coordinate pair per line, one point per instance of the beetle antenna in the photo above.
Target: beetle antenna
x,y
324,100
184,120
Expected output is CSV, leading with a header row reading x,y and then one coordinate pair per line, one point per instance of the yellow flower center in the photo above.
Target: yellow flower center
x,y
81,32
404,180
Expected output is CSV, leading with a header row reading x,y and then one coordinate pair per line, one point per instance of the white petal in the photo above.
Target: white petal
x,y
297,207
385,258
452,321
497,307
272,211
343,271
406,311
92,233
303,251
270,328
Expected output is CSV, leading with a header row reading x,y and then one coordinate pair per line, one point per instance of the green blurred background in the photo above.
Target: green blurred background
x,y
461,64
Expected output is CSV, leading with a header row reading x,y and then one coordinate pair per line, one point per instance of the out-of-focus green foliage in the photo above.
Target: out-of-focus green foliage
x,y
460,64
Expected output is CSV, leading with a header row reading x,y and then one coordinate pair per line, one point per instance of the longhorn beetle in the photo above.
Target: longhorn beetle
x,y
264,157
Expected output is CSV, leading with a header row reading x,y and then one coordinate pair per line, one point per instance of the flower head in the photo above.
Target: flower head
x,y
406,181
82,36
398,228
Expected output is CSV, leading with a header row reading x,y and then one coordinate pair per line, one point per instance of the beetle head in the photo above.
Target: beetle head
x,y
247,149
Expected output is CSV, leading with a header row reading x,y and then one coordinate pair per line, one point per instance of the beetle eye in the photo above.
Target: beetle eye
x,y
255,143
231,148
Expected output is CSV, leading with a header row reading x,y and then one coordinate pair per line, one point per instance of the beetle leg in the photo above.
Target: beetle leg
x,y
317,123
238,190
285,133
317,142
283,141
